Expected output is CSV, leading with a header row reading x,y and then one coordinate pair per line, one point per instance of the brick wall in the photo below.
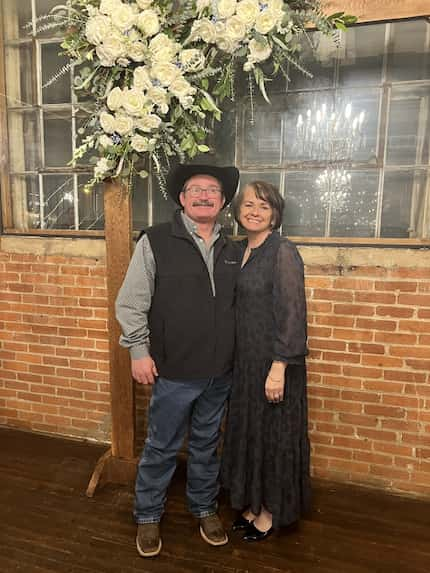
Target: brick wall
x,y
53,356
369,362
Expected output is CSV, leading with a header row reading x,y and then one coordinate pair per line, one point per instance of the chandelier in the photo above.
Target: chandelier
x,y
332,136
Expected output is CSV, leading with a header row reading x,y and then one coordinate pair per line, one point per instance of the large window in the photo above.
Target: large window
x,y
349,148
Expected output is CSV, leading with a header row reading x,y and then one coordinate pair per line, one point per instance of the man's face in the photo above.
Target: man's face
x,y
202,198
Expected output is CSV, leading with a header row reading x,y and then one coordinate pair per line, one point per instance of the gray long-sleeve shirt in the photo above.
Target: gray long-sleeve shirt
x,y
135,295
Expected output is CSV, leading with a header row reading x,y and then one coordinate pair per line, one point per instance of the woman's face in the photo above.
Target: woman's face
x,y
255,214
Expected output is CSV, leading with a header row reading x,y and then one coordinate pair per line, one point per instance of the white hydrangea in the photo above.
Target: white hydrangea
x,y
105,141
97,29
102,168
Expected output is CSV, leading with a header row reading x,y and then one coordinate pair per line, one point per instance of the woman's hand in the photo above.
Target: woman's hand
x,y
275,382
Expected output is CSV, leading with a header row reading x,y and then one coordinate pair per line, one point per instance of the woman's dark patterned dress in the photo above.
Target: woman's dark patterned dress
x,y
266,448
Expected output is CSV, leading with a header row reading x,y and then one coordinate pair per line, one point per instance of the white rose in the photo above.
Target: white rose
x,y
148,23
265,21
97,29
248,66
144,4
227,45
162,48
139,143
133,101
181,88
258,51
226,8
105,141
101,168
149,122
192,60
165,72
114,99
123,17
235,29
136,51
204,29
186,101
107,121
111,49
109,6
159,97
247,11
141,79
123,124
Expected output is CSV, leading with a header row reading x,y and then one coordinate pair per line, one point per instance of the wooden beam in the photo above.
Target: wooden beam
x,y
117,465
118,233
4,145
374,10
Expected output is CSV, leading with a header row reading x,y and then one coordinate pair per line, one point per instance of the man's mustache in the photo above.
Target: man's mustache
x,y
203,203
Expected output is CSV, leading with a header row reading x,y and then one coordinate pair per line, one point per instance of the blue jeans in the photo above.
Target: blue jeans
x,y
177,406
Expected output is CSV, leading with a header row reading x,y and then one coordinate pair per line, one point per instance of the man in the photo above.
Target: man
x,y
175,308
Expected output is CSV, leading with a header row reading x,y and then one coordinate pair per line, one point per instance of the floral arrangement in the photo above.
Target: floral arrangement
x,y
158,70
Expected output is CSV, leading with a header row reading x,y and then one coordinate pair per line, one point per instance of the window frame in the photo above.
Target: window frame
x,y
368,14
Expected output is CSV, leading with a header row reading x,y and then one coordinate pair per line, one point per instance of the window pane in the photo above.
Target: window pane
x,y
361,55
23,129
16,14
162,207
58,206
353,205
140,203
25,202
408,57
59,91
303,215
90,202
409,126
57,138
43,7
262,141
404,203
19,81
319,64
360,128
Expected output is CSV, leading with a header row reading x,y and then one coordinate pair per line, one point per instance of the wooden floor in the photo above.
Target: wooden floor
x,y
48,525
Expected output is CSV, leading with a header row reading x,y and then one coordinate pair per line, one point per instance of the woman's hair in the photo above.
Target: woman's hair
x,y
266,192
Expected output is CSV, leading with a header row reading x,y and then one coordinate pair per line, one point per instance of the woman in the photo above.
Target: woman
x,y
265,462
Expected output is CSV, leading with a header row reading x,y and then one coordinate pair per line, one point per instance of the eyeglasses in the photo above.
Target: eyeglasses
x,y
197,191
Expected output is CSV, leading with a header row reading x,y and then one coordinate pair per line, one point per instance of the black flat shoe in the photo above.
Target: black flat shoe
x,y
240,523
254,534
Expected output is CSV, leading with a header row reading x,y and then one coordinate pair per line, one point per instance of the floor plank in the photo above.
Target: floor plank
x,y
48,525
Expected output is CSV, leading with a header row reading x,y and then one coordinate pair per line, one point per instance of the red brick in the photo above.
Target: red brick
x,y
341,357
366,348
400,286
382,361
394,311
384,411
354,309
330,294
394,338
365,323
360,397
362,372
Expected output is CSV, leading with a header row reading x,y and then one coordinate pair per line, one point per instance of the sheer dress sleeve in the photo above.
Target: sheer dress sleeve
x,y
289,305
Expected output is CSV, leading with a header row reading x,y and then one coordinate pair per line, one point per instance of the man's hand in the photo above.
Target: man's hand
x,y
144,370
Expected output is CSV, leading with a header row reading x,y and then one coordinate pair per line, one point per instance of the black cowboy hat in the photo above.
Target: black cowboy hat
x,y
179,175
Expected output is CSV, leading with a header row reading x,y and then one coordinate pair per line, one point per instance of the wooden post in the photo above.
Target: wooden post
x,y
117,465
